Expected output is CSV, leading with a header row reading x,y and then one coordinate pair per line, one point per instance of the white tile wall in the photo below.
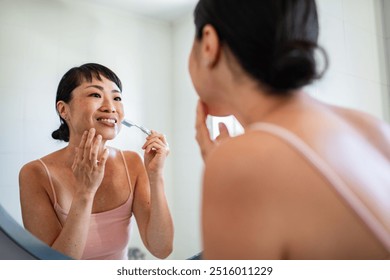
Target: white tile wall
x,y
362,53
333,8
386,45
332,39
386,12
188,164
353,33
360,13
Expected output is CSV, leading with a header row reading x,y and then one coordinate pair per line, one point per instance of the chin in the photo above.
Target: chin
x,y
218,110
107,135
109,138
218,113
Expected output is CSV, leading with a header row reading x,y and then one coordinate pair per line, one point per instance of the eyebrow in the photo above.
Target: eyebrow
x,y
102,89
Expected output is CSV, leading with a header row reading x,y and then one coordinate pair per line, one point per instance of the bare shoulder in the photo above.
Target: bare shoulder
x,y
31,172
33,185
365,120
251,151
245,165
34,180
244,181
132,157
255,162
134,164
375,129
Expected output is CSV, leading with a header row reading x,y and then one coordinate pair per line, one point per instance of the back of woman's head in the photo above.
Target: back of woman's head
x,y
273,40
71,80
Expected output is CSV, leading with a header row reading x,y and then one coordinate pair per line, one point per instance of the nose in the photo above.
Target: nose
x,y
108,106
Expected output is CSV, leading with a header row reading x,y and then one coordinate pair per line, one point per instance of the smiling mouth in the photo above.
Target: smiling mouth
x,y
110,121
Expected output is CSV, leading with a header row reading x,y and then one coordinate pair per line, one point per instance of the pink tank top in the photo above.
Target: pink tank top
x,y
109,231
374,210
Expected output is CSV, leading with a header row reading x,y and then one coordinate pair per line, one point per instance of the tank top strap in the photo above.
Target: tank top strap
x,y
127,172
50,180
370,215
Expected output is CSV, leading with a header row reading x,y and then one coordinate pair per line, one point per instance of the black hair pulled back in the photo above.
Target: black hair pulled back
x,y
275,41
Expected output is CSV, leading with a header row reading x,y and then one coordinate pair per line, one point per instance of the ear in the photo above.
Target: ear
x,y
210,46
62,109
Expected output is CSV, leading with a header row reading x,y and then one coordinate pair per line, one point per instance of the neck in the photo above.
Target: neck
x,y
252,104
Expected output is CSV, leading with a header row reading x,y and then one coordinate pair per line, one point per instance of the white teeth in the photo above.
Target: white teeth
x,y
107,120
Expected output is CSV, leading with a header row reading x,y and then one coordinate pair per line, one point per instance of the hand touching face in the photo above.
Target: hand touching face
x,y
88,165
206,144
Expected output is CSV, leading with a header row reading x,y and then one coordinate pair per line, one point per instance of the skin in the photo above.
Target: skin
x,y
261,199
89,177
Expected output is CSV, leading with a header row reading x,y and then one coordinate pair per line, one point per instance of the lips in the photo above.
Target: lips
x,y
107,121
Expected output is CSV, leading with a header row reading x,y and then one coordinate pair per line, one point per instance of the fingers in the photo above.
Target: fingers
x,y
202,132
201,111
88,150
93,156
155,137
223,132
103,158
156,142
88,145
80,149
157,147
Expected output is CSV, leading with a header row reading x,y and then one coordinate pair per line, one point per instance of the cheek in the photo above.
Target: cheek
x,y
193,70
121,110
191,64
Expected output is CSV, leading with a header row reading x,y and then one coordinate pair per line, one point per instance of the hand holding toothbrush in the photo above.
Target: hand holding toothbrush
x,y
156,150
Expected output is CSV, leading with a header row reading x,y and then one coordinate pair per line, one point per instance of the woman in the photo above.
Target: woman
x,y
79,200
306,180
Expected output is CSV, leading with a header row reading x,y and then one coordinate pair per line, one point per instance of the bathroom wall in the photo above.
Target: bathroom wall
x,y
386,22
188,164
41,39
352,31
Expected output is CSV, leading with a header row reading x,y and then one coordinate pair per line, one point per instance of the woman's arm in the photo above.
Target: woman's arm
x,y
150,204
38,214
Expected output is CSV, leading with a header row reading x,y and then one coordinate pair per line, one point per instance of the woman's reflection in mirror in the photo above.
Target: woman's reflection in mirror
x,y
80,199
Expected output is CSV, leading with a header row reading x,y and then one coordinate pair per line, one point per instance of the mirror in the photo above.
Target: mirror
x,y
18,244
41,40
148,49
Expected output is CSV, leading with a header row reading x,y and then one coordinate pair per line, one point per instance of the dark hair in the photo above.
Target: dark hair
x,y
71,80
273,40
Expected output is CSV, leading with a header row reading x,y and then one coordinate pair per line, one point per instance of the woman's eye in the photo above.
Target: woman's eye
x,y
118,98
95,95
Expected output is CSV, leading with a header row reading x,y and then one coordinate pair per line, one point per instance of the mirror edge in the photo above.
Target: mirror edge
x,y
25,241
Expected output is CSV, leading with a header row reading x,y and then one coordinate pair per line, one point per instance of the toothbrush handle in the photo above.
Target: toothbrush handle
x,y
145,130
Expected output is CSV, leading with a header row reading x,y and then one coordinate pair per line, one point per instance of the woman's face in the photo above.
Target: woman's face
x,y
205,81
193,66
96,104
199,74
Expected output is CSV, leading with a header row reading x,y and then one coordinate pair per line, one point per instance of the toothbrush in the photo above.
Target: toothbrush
x,y
130,124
